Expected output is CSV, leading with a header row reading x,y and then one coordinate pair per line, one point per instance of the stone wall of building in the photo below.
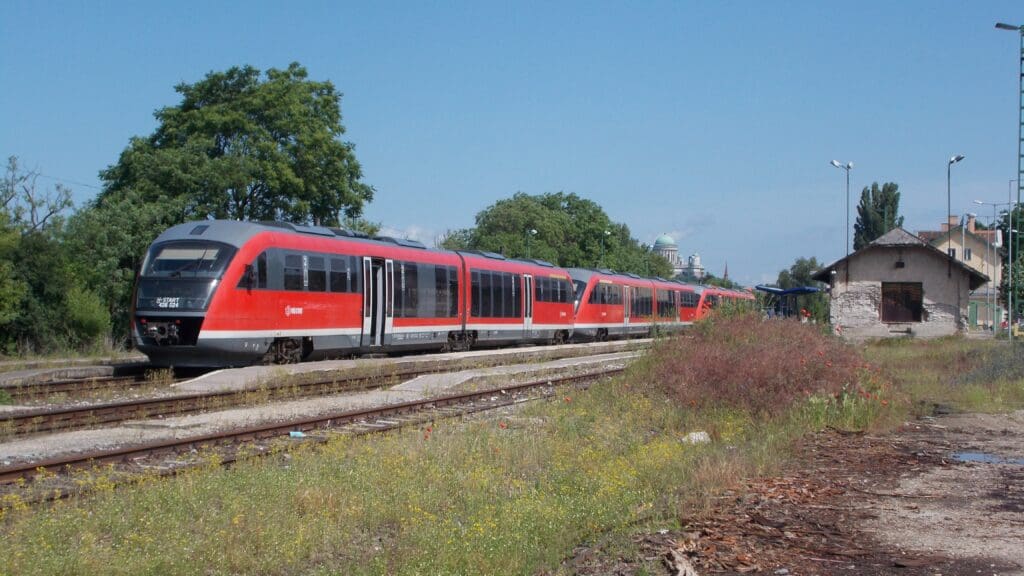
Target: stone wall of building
x,y
856,304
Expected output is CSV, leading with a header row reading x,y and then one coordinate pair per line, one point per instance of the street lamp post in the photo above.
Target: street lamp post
x,y
846,167
530,232
991,251
949,209
1020,138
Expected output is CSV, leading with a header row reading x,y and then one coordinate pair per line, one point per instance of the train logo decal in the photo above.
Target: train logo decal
x,y
293,311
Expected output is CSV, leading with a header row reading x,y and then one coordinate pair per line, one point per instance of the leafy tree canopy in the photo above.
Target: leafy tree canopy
x,y
241,147
561,228
712,280
44,307
1016,218
799,274
877,213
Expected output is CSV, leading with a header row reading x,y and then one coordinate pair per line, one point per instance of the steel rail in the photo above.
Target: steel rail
x,y
27,471
52,419
77,417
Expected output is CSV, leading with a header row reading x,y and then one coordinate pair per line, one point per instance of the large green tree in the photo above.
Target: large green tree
x,y
799,274
1012,220
44,307
877,213
564,229
243,147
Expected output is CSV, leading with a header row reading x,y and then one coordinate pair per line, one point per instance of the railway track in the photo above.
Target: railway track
x,y
70,387
51,479
52,419
94,414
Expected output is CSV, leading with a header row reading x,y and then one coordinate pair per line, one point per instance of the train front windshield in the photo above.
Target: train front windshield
x,y
181,275
187,260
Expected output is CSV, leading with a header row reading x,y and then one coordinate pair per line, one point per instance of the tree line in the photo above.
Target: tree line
x,y
240,144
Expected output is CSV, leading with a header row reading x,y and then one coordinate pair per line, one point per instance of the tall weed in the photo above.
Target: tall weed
x,y
759,367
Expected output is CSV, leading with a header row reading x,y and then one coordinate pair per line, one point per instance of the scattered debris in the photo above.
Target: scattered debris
x,y
700,437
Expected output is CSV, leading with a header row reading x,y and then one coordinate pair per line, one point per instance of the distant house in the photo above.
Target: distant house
x,y
899,285
979,250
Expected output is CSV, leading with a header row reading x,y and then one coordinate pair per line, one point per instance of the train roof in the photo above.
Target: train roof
x,y
237,233
585,274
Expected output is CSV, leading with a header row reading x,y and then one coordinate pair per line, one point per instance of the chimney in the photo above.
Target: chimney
x,y
970,223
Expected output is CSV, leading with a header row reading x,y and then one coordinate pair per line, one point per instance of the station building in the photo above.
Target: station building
x,y
899,285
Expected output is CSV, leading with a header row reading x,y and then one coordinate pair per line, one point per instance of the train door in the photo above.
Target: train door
x,y
528,306
377,310
627,303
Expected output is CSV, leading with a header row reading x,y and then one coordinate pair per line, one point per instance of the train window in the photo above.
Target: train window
x,y
666,304
316,274
293,277
414,298
446,290
261,270
605,293
486,297
641,304
190,259
511,295
453,292
494,295
554,290
258,279
689,299
517,295
342,274
616,294
474,293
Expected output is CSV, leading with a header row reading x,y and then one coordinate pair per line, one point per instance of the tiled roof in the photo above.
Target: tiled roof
x,y
898,237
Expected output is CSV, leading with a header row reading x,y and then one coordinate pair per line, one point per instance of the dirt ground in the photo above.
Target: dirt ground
x,y
939,496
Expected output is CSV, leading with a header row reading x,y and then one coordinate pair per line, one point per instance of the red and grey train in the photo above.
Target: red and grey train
x,y
225,293
611,305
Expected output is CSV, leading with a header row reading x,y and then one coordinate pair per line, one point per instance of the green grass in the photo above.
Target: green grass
x,y
496,495
968,375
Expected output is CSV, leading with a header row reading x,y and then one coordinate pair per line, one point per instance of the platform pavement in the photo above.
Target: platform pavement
x,y
254,376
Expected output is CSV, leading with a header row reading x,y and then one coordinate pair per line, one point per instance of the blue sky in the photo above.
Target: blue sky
x,y
712,121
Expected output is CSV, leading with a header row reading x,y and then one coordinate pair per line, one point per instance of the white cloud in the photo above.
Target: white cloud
x,y
428,236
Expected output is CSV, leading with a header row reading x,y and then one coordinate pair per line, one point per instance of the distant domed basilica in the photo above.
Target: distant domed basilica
x,y
667,248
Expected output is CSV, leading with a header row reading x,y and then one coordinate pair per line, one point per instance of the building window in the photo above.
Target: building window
x,y
952,253
967,254
902,301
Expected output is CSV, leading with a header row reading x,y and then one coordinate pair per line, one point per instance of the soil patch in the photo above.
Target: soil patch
x,y
903,503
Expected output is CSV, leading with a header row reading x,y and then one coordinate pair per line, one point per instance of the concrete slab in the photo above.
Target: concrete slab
x,y
17,378
254,376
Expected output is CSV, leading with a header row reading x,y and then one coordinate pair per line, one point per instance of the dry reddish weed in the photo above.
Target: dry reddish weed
x,y
758,366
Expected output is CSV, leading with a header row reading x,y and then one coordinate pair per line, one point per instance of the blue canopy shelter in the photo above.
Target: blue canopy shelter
x,y
783,302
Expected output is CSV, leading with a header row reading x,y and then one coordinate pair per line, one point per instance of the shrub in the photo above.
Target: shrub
x,y
88,319
999,364
762,367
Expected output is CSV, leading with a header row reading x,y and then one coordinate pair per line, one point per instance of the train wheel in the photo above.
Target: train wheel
x,y
284,351
558,338
602,335
452,344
